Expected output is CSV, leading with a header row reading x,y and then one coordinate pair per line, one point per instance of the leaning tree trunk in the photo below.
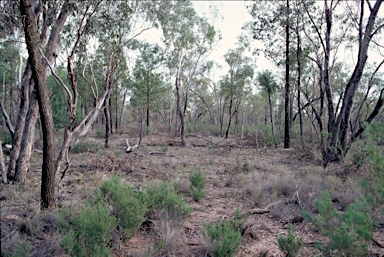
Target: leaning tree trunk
x,y
39,75
23,162
20,123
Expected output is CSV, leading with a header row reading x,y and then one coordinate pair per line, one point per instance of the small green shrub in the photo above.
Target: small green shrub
x,y
164,147
83,147
22,250
88,232
197,180
100,133
349,232
129,206
224,237
373,150
290,244
165,197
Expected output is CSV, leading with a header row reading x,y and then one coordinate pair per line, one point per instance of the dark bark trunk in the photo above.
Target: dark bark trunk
x,y
230,117
338,129
298,56
287,89
147,111
271,117
107,120
39,75
110,114
180,111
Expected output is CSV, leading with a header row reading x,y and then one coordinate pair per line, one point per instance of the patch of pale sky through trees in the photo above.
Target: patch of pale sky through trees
x,y
231,16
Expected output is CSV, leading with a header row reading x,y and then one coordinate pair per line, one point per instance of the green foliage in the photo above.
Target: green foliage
x,y
22,250
371,150
129,206
164,147
83,147
225,238
348,232
165,197
290,244
268,137
6,138
197,180
88,232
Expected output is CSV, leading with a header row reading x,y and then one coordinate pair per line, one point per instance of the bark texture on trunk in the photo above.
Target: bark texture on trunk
x,y
338,128
287,89
39,76
3,171
178,104
23,162
20,123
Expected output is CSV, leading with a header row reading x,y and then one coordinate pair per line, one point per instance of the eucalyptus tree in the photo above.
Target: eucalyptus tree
x,y
357,18
189,38
268,84
8,78
235,85
272,25
148,86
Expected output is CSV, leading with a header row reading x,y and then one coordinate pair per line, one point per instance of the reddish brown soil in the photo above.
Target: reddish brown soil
x,y
221,161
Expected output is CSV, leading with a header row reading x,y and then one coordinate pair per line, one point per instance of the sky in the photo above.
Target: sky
x,y
234,15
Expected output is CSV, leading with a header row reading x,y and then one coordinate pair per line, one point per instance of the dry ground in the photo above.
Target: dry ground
x,y
240,177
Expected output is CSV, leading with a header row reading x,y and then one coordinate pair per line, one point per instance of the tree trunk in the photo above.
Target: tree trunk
x,y
298,56
271,118
338,129
107,116
230,117
7,119
178,106
20,123
39,75
23,162
286,113
3,171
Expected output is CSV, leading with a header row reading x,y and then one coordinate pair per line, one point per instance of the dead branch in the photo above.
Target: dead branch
x,y
7,119
131,148
270,206
377,243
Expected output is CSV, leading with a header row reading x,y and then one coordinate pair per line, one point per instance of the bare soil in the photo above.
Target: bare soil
x,y
230,167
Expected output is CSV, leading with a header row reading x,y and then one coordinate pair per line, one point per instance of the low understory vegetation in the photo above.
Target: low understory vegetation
x,y
204,206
